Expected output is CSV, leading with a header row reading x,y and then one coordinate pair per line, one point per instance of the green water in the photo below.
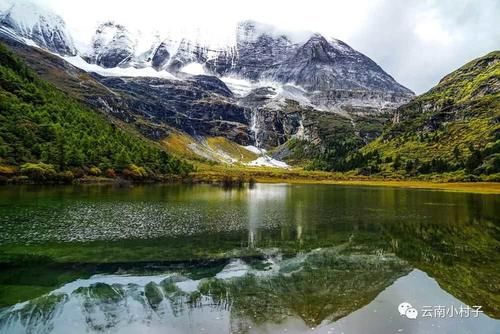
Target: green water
x,y
271,259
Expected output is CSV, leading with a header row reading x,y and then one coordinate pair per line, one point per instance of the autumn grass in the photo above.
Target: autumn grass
x,y
217,173
231,148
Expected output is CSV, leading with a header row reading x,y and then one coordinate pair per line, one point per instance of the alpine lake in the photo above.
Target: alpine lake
x,y
271,258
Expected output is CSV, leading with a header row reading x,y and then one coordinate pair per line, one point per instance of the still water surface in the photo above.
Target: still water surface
x,y
271,259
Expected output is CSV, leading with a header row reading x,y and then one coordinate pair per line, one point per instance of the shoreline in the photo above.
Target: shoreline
x,y
327,178
491,188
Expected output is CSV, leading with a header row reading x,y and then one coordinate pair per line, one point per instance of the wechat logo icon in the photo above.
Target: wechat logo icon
x,y
405,309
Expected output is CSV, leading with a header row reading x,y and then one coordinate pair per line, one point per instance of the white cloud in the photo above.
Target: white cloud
x,y
429,29
416,41
419,42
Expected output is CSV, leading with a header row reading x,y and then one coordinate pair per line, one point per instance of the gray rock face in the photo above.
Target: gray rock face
x,y
316,64
364,101
331,75
160,57
26,20
200,106
325,68
325,65
255,52
112,45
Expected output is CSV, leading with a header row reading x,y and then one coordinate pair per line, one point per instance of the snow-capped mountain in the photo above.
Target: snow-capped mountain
x,y
265,88
328,72
325,64
33,24
261,55
258,48
112,45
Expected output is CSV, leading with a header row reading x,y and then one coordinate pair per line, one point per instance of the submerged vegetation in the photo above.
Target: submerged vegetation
x,y
47,136
198,230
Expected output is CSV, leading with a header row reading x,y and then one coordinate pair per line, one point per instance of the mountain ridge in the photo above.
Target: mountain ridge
x,y
454,127
259,48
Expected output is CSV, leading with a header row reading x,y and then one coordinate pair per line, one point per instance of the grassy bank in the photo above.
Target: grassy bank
x,y
213,174
233,175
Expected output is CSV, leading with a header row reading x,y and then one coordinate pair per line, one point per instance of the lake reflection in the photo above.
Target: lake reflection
x,y
271,259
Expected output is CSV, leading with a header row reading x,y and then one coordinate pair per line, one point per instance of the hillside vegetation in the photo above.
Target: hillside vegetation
x,y
454,128
46,135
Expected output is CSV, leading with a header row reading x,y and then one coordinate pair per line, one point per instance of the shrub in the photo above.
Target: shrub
x,y
38,171
251,182
78,173
110,173
95,171
65,177
138,171
135,172
7,170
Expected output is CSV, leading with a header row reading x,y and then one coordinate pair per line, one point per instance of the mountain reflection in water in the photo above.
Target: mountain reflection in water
x,y
274,258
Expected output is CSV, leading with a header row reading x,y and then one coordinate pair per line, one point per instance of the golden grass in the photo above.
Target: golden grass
x,y
300,176
470,187
234,150
178,143
217,148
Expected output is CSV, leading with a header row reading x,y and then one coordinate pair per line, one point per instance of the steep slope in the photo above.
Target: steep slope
x,y
455,126
148,104
45,132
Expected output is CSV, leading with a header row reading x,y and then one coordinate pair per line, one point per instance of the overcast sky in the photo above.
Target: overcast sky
x,y
416,41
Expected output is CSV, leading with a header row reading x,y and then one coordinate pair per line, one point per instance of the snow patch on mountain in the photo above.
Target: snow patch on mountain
x,y
267,161
194,69
79,62
239,86
30,21
255,149
295,93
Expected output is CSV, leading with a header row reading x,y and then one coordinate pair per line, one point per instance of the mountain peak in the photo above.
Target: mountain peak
x,y
32,22
251,30
112,45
